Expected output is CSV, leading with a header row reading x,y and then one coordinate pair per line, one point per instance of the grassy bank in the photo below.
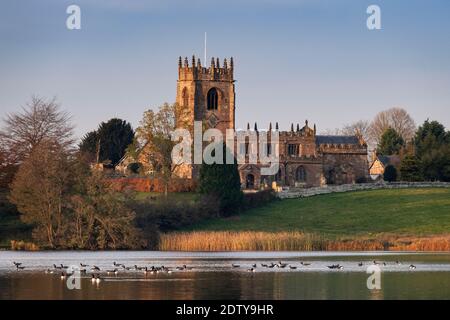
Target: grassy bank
x,y
404,219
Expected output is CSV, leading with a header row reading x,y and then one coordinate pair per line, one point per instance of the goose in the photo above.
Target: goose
x,y
336,266
235,265
412,267
251,270
375,263
64,267
48,271
305,264
63,275
263,265
83,265
254,265
145,270
281,265
83,270
56,267
360,264
180,268
115,271
19,267
95,268
118,264
398,262
17,263
292,267
95,278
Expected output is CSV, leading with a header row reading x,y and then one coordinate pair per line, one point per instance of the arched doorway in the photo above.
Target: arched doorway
x,y
250,181
300,174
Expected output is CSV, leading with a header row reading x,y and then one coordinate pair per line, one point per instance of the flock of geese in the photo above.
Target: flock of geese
x,y
305,264
96,271
120,267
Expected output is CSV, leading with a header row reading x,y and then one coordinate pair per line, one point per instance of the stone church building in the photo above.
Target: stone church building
x,y
306,159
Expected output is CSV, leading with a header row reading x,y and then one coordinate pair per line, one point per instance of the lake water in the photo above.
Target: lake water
x,y
212,276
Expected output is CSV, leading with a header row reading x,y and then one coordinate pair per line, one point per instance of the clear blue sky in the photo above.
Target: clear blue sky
x,y
294,60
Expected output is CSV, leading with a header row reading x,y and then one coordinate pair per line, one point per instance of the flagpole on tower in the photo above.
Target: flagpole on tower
x,y
205,61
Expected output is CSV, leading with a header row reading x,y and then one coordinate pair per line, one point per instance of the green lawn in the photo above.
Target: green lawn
x,y
416,212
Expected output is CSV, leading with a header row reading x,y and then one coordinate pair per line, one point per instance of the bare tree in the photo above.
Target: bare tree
x,y
395,118
359,128
39,120
40,191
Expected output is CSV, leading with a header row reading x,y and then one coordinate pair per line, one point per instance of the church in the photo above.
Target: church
x,y
305,158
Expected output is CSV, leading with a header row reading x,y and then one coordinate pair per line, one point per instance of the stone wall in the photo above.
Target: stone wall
x,y
290,193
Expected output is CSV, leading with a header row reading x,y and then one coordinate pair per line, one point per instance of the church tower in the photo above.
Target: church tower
x,y
207,93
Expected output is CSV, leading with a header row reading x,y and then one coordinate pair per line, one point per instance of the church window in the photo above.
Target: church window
x,y
293,149
185,97
212,99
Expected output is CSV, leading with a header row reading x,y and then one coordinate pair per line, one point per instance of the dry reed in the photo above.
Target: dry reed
x,y
291,241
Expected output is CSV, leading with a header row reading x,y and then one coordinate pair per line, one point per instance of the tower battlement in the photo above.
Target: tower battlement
x,y
195,71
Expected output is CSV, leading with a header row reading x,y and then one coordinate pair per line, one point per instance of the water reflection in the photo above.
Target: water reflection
x,y
213,277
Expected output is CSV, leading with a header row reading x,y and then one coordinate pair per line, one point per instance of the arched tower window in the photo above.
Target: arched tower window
x,y
212,99
185,97
300,174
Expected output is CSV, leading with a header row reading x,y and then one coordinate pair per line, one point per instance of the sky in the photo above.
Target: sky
x,y
294,60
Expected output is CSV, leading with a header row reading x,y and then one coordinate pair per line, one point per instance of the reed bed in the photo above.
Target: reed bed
x,y
291,241
23,246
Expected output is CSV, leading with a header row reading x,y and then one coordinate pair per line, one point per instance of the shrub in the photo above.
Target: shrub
x,y
258,199
390,174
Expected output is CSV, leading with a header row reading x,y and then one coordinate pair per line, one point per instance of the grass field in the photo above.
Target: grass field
x,y
412,212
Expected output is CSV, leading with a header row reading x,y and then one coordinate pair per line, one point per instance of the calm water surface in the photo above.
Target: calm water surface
x,y
211,275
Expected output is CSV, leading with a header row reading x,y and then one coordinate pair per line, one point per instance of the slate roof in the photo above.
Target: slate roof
x,y
389,160
336,140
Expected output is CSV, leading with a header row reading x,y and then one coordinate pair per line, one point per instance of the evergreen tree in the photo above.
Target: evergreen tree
x,y
410,169
113,137
223,182
391,143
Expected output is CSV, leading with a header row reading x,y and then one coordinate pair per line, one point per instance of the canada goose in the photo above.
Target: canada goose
x,y
83,265
292,267
360,264
263,265
115,271
118,264
235,265
375,263
95,278
398,262
63,275
64,267
48,271
305,264
336,266
281,265
180,268
254,265
17,263
95,268
56,267
412,267
19,267
251,270
83,271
